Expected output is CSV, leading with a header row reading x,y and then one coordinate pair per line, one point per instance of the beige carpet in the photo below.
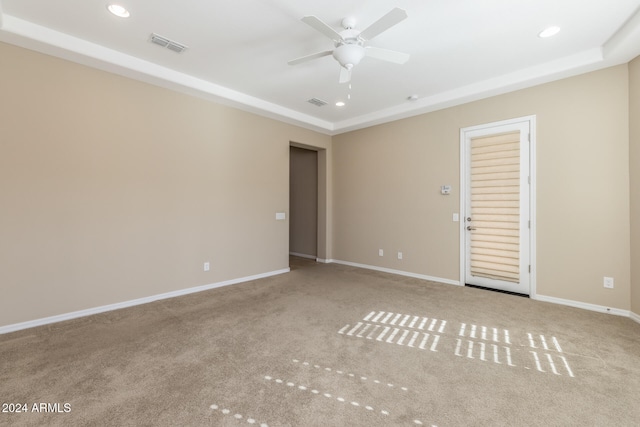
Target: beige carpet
x,y
328,345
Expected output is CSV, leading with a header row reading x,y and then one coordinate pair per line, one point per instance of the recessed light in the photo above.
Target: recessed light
x,y
340,104
549,31
118,10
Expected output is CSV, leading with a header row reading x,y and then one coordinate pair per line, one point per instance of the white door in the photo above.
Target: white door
x,y
496,221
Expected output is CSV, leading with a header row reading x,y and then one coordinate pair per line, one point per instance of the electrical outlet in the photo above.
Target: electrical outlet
x,y
399,255
380,252
207,266
608,282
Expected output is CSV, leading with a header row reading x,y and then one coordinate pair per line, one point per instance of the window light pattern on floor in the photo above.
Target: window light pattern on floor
x,y
478,342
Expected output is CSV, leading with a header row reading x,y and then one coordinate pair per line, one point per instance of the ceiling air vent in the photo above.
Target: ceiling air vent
x,y
169,44
317,102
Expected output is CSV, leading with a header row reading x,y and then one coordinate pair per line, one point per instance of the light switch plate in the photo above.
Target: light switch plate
x,y
280,216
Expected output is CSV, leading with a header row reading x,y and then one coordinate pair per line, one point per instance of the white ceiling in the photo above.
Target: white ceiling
x,y
238,50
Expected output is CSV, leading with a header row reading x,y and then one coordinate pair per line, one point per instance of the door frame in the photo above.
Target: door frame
x,y
532,194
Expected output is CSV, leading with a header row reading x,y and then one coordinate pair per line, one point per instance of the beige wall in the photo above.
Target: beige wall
x,y
303,201
387,180
634,169
114,190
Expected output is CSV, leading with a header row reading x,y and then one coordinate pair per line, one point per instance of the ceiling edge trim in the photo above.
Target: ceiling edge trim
x,y
580,63
45,40
621,42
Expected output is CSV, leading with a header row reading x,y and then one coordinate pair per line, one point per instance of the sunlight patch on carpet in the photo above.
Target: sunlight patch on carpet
x,y
340,399
479,342
322,370
351,375
226,411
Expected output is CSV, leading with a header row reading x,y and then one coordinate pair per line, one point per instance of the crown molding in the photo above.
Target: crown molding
x,y
622,47
51,42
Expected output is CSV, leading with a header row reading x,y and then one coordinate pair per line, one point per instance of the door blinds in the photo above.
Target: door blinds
x,y
495,207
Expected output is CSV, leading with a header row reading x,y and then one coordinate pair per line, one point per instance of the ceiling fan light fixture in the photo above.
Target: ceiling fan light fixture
x,y
349,55
118,10
549,32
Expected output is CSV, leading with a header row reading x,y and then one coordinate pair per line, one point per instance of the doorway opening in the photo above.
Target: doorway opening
x,y
303,203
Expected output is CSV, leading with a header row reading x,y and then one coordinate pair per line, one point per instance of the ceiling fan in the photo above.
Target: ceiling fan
x,y
350,43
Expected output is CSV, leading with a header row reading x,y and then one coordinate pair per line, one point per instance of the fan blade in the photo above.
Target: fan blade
x,y
383,24
310,57
322,27
345,75
387,55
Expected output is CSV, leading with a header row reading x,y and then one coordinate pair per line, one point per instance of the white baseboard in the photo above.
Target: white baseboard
x,y
584,305
88,312
302,255
398,272
570,303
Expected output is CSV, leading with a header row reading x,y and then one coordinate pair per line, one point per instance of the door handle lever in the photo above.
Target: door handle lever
x,y
470,228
